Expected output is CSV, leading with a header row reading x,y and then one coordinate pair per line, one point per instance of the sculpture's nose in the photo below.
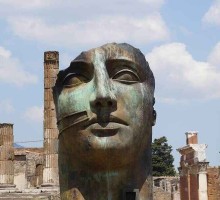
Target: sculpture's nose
x,y
103,97
105,102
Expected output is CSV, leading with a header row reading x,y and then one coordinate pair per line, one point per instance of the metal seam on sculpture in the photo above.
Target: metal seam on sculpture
x,y
82,120
69,115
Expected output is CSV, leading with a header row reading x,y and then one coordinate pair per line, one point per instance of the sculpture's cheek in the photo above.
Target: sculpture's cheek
x,y
135,107
75,99
132,102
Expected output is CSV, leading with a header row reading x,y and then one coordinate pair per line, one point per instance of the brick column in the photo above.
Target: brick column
x,y
184,194
50,172
6,156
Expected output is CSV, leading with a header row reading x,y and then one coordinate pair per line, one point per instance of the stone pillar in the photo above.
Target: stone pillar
x,y
202,171
6,156
50,172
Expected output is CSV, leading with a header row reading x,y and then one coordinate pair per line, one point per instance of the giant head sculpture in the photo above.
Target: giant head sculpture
x,y
104,104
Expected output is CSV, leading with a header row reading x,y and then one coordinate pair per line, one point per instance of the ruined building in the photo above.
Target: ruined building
x,y
198,181
25,169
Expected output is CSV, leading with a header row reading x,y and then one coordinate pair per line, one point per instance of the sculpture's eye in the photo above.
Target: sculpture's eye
x,y
126,76
73,80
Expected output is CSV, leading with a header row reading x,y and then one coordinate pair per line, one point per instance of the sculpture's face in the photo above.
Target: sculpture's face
x,y
104,105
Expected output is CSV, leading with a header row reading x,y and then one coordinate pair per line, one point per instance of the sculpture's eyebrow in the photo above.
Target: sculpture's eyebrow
x,y
125,62
77,63
79,67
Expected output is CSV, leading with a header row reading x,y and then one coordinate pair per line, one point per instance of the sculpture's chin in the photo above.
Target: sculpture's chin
x,y
100,147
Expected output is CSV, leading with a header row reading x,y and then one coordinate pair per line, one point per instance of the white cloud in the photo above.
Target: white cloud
x,y
34,113
85,22
78,6
11,71
4,53
214,57
93,32
179,76
6,107
25,4
212,16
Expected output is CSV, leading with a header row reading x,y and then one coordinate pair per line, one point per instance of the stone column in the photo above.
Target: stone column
x,y
6,156
50,172
202,171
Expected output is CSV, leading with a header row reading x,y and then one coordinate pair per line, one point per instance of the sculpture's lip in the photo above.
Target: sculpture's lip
x,y
104,132
104,123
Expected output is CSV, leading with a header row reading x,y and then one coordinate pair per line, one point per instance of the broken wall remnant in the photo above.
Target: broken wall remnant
x,y
6,156
193,169
50,171
166,188
213,175
28,168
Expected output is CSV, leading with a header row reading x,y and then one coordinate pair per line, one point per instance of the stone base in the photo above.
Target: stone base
x,y
49,185
42,190
7,186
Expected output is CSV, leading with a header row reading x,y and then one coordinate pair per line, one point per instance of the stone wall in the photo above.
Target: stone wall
x,y
166,188
160,194
28,168
213,174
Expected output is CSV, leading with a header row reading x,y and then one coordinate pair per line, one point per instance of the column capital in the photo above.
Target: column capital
x,y
202,167
51,56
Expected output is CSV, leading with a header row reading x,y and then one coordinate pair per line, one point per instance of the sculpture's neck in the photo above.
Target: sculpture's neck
x,y
108,184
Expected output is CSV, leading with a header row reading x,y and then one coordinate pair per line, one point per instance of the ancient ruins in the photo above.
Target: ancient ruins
x,y
33,170
198,181
32,173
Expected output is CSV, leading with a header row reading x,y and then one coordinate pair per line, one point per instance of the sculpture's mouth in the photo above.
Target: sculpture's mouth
x,y
110,130
109,122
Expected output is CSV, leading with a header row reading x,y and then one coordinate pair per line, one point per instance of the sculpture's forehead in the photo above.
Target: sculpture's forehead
x,y
111,52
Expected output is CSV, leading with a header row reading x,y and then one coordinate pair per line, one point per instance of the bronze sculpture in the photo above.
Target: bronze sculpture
x,y
104,104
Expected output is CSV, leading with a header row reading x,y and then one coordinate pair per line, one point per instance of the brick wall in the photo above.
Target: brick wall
x,y
213,175
160,194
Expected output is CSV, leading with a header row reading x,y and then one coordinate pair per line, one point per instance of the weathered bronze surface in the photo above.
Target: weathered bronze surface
x,y
104,103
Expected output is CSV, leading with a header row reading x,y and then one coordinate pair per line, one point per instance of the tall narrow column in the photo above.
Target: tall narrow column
x,y
202,170
51,68
6,156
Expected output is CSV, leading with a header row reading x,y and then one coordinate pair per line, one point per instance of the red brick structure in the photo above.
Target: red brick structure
x,y
193,169
213,175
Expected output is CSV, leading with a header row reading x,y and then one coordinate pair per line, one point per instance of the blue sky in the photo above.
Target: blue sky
x,y
181,42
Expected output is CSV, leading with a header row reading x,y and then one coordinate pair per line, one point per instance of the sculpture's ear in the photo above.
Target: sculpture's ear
x,y
154,117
